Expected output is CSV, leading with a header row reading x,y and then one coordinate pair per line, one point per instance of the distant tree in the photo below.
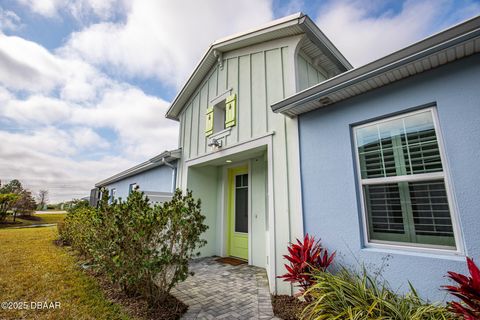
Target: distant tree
x,y
24,202
7,200
14,186
42,198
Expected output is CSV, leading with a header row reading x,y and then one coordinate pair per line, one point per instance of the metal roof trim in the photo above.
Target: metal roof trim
x,y
154,162
460,33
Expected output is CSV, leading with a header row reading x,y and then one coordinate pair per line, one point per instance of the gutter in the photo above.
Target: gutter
x,y
154,162
448,38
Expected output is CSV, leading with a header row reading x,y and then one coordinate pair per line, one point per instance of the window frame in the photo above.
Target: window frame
x,y
444,174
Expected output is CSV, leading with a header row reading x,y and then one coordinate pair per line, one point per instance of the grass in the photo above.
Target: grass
x,y
34,219
33,268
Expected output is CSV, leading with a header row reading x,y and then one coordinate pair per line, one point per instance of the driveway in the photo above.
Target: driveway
x,y
223,291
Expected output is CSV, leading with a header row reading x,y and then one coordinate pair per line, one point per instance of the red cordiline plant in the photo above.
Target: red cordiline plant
x,y
304,258
468,291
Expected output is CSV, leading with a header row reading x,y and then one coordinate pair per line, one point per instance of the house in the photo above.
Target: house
x,y
240,157
389,156
155,177
279,136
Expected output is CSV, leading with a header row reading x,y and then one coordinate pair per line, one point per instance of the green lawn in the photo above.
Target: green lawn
x,y
33,268
35,219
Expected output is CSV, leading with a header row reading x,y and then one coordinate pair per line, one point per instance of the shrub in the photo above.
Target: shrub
x,y
142,248
468,291
304,257
349,295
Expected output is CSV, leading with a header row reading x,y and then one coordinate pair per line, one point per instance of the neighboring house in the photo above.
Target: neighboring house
x,y
155,177
390,160
238,156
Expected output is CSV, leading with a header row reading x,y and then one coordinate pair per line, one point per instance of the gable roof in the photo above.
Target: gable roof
x,y
444,47
294,24
157,161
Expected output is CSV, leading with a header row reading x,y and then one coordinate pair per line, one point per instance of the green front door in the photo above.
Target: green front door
x,y
238,212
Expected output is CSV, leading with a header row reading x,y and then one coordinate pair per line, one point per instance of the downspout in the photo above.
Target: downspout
x,y
174,168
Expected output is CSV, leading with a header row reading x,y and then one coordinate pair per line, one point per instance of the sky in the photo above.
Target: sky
x,y
85,84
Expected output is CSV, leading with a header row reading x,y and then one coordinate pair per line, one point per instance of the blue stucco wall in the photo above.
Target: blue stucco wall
x,y
158,179
330,193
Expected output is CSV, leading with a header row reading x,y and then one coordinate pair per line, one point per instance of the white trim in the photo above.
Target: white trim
x,y
220,134
236,148
418,247
404,178
250,229
221,97
271,254
457,231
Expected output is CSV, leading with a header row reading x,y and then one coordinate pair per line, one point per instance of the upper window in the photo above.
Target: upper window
x,y
221,116
403,182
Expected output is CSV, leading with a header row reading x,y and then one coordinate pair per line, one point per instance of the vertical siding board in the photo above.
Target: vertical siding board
x,y
274,80
188,131
245,98
259,120
232,82
302,73
212,85
201,119
222,79
195,115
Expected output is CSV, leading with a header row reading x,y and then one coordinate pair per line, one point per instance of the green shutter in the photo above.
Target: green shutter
x,y
209,121
230,111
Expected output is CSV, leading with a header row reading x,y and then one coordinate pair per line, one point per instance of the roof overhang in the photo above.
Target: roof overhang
x,y
162,159
295,24
447,46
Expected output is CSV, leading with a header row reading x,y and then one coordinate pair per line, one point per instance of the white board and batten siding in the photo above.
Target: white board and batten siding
x,y
259,75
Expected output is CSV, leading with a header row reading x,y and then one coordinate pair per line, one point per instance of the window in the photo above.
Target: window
x,y
403,183
222,115
132,187
112,194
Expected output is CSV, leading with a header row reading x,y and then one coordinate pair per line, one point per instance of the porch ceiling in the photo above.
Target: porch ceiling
x,y
232,158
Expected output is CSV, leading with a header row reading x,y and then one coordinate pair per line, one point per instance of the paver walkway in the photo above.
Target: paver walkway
x,y
222,291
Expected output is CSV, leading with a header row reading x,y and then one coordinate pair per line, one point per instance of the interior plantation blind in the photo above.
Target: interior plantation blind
x,y
403,183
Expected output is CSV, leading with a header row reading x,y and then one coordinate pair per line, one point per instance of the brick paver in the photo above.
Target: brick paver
x,y
222,291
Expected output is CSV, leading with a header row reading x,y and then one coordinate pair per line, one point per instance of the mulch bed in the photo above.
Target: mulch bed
x,y
171,309
136,307
287,307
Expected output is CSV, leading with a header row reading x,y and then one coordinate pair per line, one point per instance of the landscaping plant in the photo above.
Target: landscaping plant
x,y
350,295
468,291
304,257
145,249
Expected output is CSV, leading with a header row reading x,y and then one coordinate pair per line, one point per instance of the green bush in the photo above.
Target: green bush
x,y
143,248
349,295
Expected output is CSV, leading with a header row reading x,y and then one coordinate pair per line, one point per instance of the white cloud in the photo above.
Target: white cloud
x,y
137,118
9,20
48,8
36,110
363,36
26,157
86,138
161,39
79,9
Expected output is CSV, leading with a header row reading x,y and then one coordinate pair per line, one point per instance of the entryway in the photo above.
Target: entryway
x,y
238,204
222,291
